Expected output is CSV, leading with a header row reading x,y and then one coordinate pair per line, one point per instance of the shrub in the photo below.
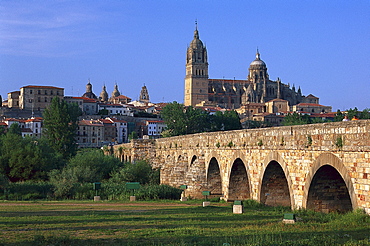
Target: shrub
x,y
28,190
154,192
140,171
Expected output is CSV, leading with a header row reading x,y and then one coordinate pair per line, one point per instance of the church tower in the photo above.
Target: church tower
x,y
259,77
196,78
144,95
104,94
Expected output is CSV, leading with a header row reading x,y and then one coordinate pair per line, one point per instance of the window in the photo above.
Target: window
x,y
30,91
46,99
39,99
39,92
51,92
46,92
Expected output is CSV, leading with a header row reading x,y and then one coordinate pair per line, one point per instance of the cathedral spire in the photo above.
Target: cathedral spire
x,y
196,33
258,56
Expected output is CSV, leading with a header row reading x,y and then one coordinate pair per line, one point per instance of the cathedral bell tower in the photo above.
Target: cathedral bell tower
x,y
258,77
196,79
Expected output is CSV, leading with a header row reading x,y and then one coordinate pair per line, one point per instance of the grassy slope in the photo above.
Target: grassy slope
x,y
172,223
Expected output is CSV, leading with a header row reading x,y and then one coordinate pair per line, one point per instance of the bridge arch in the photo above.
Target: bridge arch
x,y
329,186
214,179
239,182
275,185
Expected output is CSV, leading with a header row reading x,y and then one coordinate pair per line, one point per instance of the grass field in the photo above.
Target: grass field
x,y
173,223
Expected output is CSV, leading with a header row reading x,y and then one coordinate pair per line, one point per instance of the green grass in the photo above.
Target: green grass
x,y
173,223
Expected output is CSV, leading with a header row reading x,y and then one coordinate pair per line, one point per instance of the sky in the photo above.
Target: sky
x,y
321,46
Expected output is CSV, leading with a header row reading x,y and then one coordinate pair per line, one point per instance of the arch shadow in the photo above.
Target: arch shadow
x,y
322,164
275,162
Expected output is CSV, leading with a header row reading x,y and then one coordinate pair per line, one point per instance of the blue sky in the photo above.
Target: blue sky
x,y
321,46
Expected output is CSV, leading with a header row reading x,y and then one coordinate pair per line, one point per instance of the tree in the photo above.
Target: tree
x,y
141,172
225,121
339,116
353,112
365,114
132,135
174,118
181,120
15,129
60,124
296,119
93,165
24,159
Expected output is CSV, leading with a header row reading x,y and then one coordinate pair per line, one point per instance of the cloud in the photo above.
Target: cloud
x,y
44,28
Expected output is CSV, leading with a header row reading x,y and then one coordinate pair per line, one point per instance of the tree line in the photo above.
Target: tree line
x,y
182,120
301,119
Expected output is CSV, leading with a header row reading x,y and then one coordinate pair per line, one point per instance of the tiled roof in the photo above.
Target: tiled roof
x,y
310,105
122,97
117,120
90,123
42,87
155,121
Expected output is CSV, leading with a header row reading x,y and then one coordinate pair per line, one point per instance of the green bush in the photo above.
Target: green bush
x,y
140,171
27,191
155,192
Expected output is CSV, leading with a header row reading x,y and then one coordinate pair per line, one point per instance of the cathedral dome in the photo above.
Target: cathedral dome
x,y
196,42
258,61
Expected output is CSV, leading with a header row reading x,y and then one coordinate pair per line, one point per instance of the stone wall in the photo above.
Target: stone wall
x,y
290,157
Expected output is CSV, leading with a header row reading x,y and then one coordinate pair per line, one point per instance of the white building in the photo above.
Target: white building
x,y
121,129
35,125
115,109
155,128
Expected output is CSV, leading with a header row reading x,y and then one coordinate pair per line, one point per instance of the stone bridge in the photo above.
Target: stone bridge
x,y
324,167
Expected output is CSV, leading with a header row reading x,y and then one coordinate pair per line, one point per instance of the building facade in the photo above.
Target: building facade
x,y
232,93
36,97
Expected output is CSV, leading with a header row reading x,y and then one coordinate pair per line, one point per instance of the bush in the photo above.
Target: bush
x,y
27,191
140,171
155,192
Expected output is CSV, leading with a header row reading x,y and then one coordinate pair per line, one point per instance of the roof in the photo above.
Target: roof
x,y
37,119
236,81
42,87
310,105
155,121
12,119
277,100
90,123
105,121
88,100
311,96
3,124
112,105
77,98
122,97
116,120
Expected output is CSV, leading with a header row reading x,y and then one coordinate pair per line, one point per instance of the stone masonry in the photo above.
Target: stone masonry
x,y
325,167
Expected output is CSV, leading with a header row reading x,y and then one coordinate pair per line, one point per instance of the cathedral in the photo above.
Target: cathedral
x,y
231,93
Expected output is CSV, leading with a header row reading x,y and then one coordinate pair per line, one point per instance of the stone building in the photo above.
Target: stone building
x,y
13,99
144,95
200,90
90,133
37,97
